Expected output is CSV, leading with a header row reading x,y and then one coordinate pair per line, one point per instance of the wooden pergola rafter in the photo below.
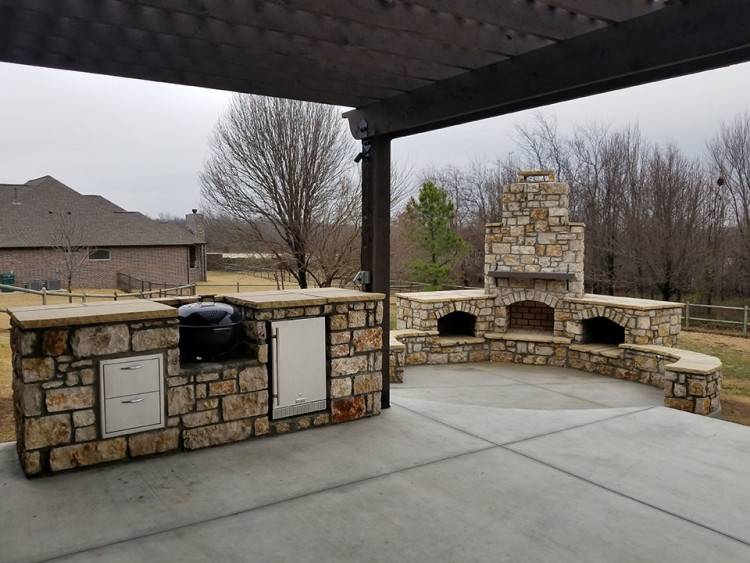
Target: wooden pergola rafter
x,y
405,66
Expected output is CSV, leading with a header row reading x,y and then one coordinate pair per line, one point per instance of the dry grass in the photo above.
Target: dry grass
x,y
226,282
734,353
7,431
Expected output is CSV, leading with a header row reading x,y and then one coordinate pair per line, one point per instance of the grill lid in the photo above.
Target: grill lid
x,y
208,313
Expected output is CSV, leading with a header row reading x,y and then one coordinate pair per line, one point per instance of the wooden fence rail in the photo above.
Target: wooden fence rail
x,y
44,294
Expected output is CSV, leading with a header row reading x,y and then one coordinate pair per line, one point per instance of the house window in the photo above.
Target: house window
x,y
100,254
193,254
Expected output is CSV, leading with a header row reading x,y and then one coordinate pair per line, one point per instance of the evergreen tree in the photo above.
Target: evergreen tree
x,y
432,216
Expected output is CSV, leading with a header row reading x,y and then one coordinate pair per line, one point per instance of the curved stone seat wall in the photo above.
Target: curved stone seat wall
x,y
691,381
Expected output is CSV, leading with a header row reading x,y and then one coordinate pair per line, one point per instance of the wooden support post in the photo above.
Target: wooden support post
x,y
376,233
744,323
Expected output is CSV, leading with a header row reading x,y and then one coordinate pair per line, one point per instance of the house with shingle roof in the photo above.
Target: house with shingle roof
x,y
44,224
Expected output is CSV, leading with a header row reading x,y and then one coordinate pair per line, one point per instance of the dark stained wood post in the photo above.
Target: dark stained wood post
x,y
376,234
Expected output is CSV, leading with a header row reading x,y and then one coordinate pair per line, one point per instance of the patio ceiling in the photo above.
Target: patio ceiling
x,y
406,65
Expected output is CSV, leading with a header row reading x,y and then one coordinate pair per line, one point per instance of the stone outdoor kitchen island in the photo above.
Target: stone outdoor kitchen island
x,y
74,365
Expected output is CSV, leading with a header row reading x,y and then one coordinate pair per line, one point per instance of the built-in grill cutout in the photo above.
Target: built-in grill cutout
x,y
457,323
601,330
531,315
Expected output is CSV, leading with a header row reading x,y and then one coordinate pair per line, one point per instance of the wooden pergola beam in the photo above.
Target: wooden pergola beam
x,y
423,22
121,14
680,39
528,16
608,10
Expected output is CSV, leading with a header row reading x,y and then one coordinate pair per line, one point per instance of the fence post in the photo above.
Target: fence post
x,y
83,297
687,314
238,287
44,299
115,295
744,324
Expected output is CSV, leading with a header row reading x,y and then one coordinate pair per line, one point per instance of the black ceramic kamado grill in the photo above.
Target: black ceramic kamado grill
x,y
208,330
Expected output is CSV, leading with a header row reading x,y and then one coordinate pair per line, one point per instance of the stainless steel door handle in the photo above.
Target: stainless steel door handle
x,y
276,365
132,401
131,368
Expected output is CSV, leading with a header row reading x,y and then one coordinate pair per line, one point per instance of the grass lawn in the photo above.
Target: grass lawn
x,y
734,353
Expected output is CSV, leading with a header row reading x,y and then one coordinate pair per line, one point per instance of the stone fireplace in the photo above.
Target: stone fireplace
x,y
533,308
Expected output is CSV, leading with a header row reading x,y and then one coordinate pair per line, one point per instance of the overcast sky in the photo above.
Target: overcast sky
x,y
142,144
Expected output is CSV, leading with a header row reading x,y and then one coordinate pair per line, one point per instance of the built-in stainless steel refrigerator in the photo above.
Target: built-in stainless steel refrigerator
x,y
298,366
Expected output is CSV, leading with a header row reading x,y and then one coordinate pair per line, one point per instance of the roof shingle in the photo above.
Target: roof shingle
x,y
27,219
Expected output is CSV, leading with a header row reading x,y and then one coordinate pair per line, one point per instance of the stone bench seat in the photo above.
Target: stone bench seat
x,y
446,341
606,350
687,361
528,336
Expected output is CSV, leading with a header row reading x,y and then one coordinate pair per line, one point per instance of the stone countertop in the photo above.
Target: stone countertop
x,y
450,295
298,297
77,314
629,302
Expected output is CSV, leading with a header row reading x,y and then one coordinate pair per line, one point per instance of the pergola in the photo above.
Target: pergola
x,y
406,66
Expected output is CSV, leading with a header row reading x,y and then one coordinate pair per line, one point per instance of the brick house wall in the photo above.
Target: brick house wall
x,y
168,264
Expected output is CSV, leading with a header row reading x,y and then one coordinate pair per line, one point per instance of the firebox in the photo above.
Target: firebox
x,y
531,315
601,330
457,323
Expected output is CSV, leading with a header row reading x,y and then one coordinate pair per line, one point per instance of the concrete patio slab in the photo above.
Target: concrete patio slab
x,y
682,463
488,506
463,375
506,425
112,503
425,481
610,393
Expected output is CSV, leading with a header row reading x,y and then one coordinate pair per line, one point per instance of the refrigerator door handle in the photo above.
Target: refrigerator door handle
x,y
276,360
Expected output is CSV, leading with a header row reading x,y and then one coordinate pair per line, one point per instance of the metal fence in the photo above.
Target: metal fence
x,y
734,317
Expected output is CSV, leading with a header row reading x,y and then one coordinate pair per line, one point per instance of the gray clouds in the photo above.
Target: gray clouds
x,y
142,144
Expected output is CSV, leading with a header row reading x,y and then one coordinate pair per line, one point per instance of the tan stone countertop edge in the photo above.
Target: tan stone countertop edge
x,y
624,302
80,314
445,296
527,337
287,299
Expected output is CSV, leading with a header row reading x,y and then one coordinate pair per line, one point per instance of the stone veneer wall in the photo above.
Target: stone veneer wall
x,y
354,350
685,388
56,397
56,379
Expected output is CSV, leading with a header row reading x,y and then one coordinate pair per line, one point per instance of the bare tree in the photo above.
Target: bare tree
x,y
284,164
70,242
730,152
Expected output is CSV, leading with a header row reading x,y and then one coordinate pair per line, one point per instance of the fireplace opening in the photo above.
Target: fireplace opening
x,y
531,315
601,330
457,323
